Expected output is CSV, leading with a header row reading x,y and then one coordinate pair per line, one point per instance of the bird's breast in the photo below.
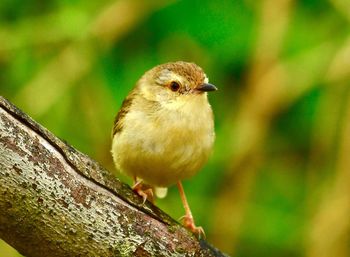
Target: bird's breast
x,y
166,145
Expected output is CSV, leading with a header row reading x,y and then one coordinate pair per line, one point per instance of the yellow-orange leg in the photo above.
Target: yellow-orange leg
x,y
188,218
142,190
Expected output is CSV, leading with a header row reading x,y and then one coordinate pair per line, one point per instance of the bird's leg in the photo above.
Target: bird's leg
x,y
142,190
188,218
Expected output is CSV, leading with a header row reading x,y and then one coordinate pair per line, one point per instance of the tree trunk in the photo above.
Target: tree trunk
x,y
56,201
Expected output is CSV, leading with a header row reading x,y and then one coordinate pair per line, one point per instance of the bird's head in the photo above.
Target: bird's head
x,y
175,82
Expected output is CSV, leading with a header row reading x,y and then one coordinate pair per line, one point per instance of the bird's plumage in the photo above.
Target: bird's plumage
x,y
161,136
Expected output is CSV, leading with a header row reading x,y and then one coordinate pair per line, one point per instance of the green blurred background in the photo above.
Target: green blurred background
x,y
278,181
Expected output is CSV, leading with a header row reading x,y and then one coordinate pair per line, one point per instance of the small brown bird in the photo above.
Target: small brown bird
x,y
164,131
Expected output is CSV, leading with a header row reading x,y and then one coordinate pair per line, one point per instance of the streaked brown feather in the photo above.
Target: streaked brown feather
x,y
118,121
192,72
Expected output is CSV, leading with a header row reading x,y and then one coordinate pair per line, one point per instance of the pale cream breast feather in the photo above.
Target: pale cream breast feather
x,y
167,144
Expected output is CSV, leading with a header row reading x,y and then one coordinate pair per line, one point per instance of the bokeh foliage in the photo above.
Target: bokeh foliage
x,y
277,183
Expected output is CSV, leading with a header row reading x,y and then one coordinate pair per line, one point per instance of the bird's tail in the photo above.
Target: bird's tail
x,y
161,192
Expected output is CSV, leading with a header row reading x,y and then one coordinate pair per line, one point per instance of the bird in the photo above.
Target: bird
x,y
164,131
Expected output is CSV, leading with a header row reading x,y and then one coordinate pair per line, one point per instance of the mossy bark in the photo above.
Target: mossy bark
x,y
56,201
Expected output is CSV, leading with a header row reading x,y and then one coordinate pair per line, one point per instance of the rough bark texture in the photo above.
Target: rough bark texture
x,y
56,201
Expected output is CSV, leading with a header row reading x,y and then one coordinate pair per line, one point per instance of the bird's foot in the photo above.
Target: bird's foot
x,y
188,223
144,191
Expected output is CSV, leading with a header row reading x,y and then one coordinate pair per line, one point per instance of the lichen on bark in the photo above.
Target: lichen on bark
x,y
56,201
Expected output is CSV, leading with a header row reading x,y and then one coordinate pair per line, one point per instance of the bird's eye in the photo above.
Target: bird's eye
x,y
174,86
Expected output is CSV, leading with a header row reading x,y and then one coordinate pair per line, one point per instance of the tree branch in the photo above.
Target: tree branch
x,y
56,201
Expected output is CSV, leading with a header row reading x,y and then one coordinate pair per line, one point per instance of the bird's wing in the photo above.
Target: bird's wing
x,y
118,121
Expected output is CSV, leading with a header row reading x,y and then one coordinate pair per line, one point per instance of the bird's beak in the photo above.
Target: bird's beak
x,y
206,87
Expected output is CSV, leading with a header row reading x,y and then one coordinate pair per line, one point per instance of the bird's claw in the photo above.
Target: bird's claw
x,y
144,193
188,223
